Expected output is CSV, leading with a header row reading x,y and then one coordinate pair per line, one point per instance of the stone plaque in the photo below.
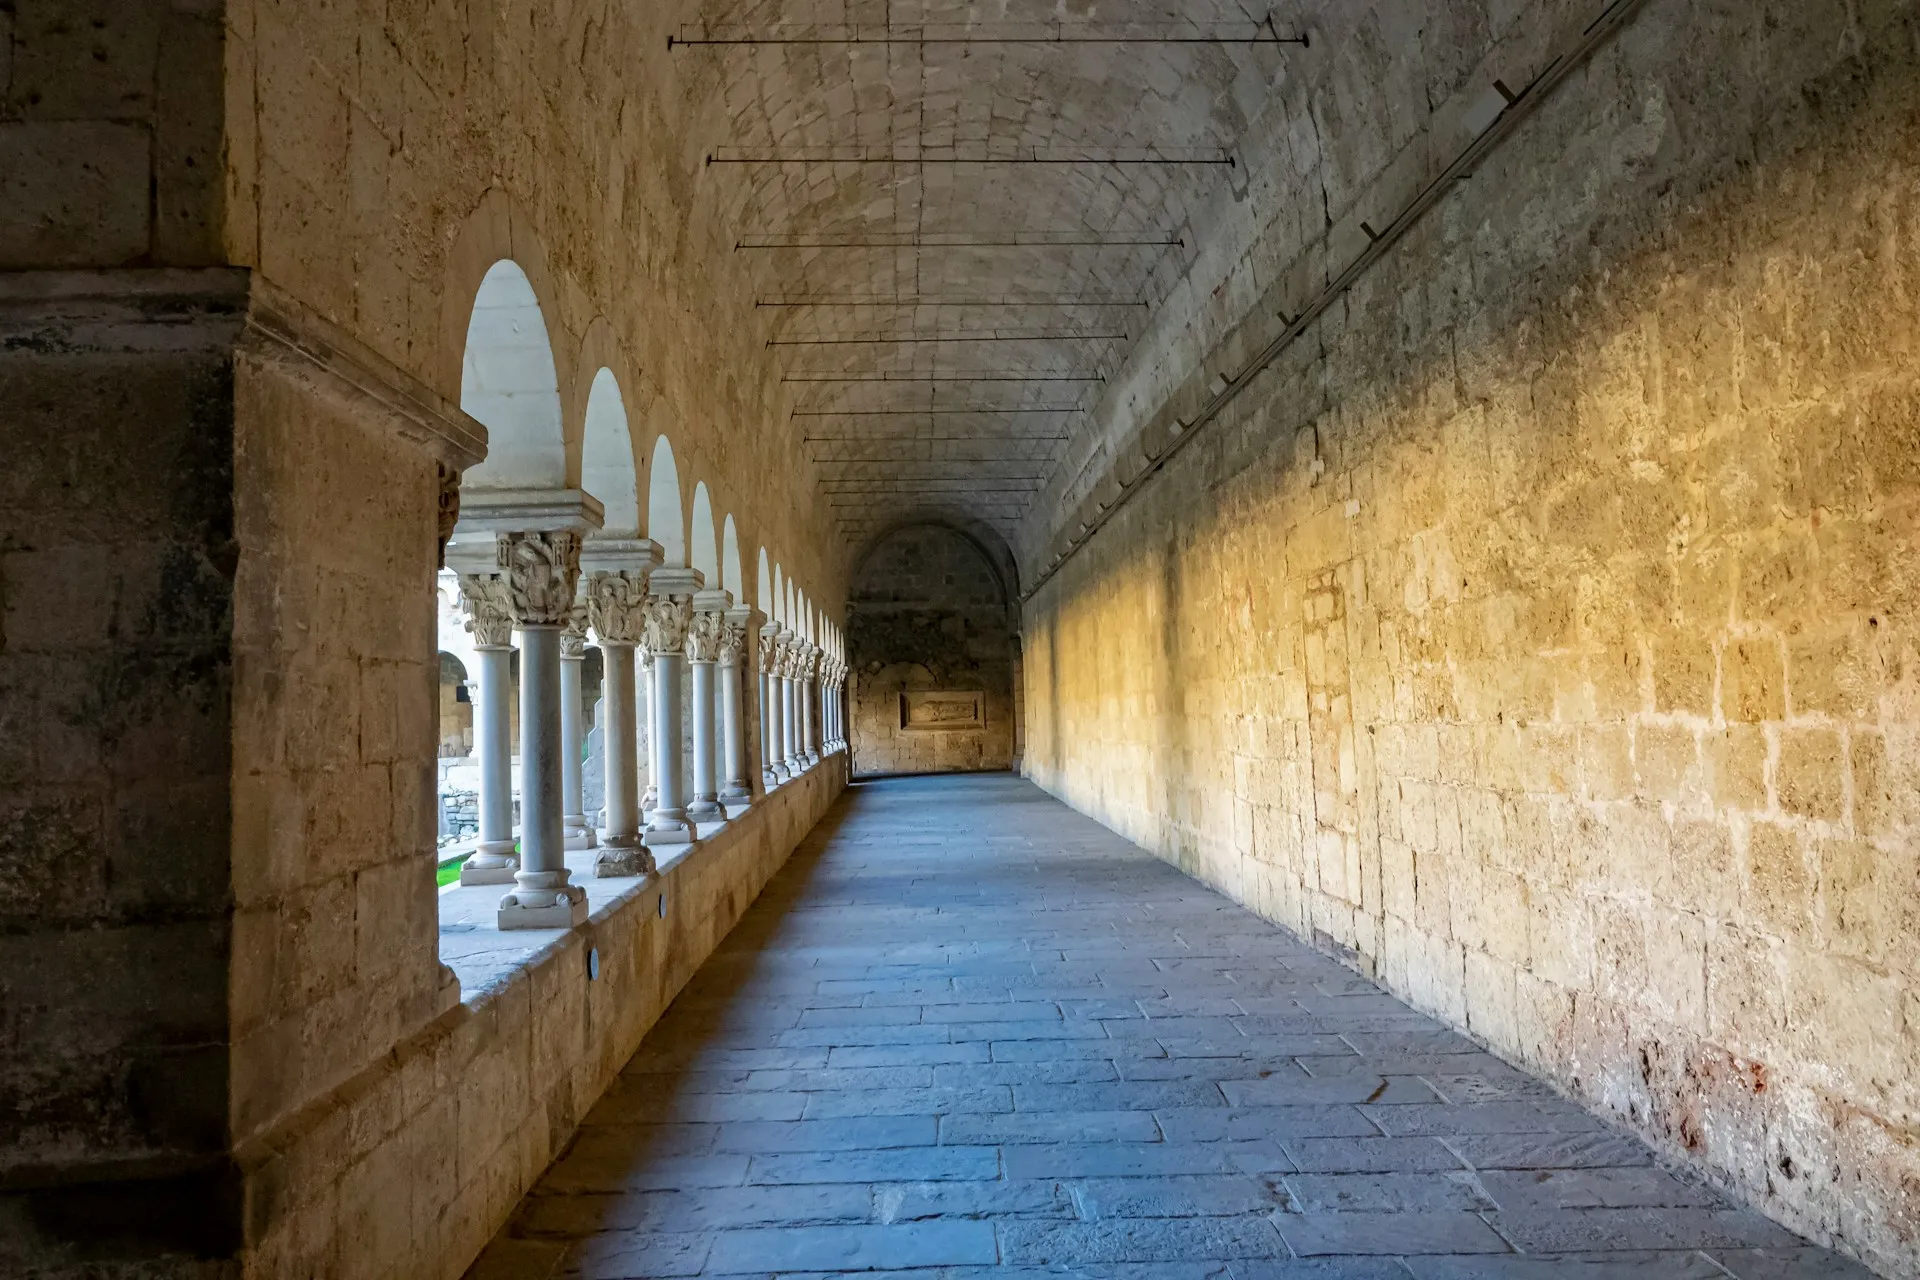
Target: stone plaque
x,y
942,709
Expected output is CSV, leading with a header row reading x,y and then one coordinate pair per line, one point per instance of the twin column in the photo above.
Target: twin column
x,y
537,585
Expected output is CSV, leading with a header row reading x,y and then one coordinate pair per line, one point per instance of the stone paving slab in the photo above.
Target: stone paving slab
x,y
978,1037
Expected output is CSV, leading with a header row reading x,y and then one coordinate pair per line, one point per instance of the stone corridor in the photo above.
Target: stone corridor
x,y
967,1031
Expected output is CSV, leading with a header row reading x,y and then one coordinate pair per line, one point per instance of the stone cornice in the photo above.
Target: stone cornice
x,y
230,309
286,335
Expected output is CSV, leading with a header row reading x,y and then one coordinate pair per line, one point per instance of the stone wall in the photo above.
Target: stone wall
x,y
928,612
117,673
110,133
1541,631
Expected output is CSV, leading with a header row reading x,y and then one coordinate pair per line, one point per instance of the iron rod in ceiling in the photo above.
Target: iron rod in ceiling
x,y
941,412
943,377
948,337
1036,158
1264,32
1134,242
918,439
945,302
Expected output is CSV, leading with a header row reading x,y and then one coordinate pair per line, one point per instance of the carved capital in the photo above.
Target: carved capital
x,y
704,635
489,608
733,644
449,507
667,620
543,575
573,637
617,607
770,653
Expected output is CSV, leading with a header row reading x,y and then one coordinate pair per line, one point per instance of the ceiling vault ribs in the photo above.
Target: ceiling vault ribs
x,y
949,217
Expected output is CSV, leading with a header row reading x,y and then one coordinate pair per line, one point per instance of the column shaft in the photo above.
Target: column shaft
x,y
668,823
621,852
648,737
706,790
493,858
579,833
734,735
789,725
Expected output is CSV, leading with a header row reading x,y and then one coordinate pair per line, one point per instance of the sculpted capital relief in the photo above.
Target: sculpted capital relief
x,y
573,637
489,609
733,644
704,636
543,575
617,607
667,620
769,653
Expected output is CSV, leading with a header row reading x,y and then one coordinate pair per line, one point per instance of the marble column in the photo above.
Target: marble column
x,y
772,769
644,661
704,637
810,696
839,704
830,700
542,572
573,655
616,605
668,618
489,613
736,793
790,703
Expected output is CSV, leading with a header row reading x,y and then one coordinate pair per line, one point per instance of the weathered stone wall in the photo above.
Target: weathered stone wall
x,y
116,679
335,738
1541,633
928,611
111,115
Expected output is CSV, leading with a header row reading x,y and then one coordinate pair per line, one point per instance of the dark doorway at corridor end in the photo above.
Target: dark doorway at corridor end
x,y
931,640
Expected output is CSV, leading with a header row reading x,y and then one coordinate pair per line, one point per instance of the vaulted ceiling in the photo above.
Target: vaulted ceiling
x,y
957,218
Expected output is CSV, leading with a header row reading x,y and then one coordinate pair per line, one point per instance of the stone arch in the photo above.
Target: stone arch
x,y
763,585
703,549
731,576
607,468
496,230
666,516
509,383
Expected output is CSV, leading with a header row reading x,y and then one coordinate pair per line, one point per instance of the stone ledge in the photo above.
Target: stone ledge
x,y
428,1152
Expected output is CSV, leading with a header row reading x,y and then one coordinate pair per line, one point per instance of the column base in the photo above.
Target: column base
x,y
618,861
562,908
736,806
704,810
494,865
670,828
580,836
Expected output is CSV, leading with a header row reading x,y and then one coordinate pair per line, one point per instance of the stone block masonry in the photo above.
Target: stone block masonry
x,y
1539,634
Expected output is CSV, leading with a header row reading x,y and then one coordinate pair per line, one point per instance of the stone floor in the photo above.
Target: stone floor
x,y
969,1033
